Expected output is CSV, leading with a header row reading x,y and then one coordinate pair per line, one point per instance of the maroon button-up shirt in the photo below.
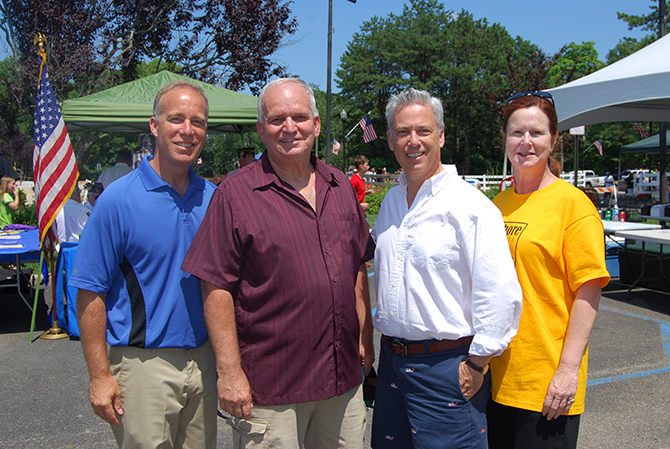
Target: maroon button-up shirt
x,y
292,272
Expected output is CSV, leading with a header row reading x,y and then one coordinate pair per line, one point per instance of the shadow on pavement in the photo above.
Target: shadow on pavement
x,y
653,300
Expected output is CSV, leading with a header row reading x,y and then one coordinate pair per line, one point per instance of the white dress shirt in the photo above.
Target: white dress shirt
x,y
75,216
113,173
443,268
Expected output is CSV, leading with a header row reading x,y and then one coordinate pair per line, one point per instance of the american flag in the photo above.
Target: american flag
x,y
599,145
336,147
55,168
639,128
369,133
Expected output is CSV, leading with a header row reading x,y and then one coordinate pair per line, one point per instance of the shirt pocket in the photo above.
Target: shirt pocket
x,y
433,247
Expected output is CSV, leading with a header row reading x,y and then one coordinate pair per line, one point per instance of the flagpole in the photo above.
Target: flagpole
x,y
37,293
55,332
356,125
54,169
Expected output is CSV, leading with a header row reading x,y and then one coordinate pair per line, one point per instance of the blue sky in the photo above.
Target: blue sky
x,y
548,24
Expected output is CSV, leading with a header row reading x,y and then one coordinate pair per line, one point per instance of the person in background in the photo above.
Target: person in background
x,y
362,165
157,386
92,194
286,289
123,166
9,200
555,237
609,182
75,216
246,156
447,296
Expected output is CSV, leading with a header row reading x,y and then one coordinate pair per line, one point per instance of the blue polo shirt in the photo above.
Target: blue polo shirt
x,y
132,248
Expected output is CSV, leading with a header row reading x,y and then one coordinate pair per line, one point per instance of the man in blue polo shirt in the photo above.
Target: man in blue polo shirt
x,y
158,388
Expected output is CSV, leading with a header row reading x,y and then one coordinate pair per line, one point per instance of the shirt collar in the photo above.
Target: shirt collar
x,y
433,184
265,175
152,181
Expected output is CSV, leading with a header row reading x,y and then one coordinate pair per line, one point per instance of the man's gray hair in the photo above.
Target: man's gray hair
x,y
414,96
180,84
281,82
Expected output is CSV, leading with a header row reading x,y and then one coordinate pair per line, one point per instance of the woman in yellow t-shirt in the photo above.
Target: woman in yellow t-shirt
x,y
9,196
556,240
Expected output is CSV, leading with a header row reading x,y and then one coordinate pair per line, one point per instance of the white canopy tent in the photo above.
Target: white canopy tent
x,y
636,88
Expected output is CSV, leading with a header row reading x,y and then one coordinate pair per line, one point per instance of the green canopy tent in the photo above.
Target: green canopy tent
x,y
128,107
650,145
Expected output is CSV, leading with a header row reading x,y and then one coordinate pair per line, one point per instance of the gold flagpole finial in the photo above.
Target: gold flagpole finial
x,y
40,40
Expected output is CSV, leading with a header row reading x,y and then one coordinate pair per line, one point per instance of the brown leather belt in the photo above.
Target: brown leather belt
x,y
403,349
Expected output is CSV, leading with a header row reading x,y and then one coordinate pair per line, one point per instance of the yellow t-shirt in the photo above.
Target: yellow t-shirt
x,y
556,238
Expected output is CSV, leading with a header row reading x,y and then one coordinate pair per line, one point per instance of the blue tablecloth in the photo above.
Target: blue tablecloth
x,y
66,312
29,251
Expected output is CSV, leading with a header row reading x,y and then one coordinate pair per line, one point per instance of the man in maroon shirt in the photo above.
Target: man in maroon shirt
x,y
281,254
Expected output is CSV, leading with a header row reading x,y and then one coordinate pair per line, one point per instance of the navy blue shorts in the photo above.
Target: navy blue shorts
x,y
419,403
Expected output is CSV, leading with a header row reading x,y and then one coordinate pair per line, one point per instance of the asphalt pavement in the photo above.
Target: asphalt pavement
x,y
43,384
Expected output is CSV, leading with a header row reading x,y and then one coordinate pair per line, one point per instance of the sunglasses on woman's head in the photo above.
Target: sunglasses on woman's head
x,y
538,93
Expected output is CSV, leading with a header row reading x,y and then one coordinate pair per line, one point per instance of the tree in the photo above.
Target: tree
x,y
573,61
646,22
94,45
471,65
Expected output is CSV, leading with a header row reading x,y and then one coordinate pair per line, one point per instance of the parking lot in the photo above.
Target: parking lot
x,y
44,384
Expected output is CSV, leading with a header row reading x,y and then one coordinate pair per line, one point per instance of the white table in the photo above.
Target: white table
x,y
611,227
655,217
658,236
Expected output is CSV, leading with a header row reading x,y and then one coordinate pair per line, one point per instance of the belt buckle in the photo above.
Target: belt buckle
x,y
400,345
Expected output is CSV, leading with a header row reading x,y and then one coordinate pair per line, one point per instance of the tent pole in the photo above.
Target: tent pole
x,y
663,165
663,186
575,181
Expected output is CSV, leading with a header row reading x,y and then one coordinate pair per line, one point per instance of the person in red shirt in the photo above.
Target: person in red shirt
x,y
362,165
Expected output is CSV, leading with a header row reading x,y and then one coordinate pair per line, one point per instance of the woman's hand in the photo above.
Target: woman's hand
x,y
560,394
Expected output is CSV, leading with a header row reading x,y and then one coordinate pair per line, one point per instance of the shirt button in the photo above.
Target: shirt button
x,y
392,313
393,285
338,312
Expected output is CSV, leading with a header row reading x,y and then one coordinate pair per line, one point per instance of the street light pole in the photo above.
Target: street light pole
x,y
328,83
343,117
328,87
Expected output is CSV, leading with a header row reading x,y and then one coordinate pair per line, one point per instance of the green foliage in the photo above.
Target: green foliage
x,y
25,214
219,154
573,61
491,193
469,64
627,46
375,199
646,22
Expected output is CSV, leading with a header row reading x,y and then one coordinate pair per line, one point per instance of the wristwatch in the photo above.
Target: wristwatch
x,y
474,366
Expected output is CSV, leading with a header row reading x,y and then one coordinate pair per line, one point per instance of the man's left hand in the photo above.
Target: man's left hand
x,y
367,350
471,380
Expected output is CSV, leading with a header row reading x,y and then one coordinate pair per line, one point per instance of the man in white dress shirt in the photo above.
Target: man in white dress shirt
x,y
123,166
448,299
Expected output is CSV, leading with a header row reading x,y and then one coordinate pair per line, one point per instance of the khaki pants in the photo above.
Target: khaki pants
x,y
168,397
337,422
